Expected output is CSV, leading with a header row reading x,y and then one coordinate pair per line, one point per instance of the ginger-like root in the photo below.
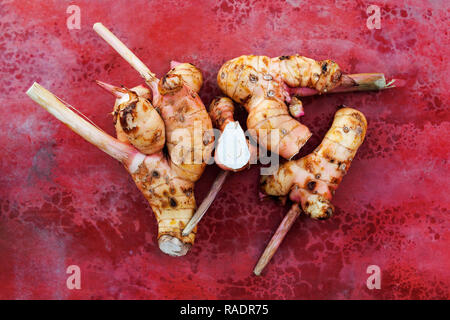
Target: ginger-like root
x,y
189,140
169,96
170,197
190,74
264,84
172,201
171,112
233,150
313,179
189,136
139,120
136,120
240,77
258,83
221,111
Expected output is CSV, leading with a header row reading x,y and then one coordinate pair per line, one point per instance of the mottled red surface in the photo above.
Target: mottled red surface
x,y
64,202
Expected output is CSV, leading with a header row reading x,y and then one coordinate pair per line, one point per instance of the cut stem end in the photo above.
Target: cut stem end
x,y
173,246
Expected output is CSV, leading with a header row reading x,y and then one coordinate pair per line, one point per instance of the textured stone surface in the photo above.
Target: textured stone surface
x,y
64,202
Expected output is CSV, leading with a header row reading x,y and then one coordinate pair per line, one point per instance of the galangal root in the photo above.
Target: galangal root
x,y
169,114
234,152
169,185
312,180
188,137
263,85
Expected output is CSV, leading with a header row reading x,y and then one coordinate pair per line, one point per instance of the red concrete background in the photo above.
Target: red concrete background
x,y
64,202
